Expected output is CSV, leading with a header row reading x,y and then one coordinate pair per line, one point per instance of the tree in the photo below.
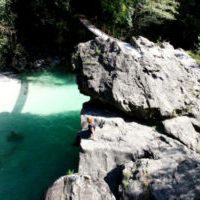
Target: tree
x,y
134,15
6,31
118,12
148,12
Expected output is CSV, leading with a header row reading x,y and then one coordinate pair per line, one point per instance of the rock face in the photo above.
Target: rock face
x,y
149,162
161,179
158,82
146,108
182,129
78,187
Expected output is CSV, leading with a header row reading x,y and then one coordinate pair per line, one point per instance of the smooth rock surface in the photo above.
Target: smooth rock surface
x,y
182,129
162,82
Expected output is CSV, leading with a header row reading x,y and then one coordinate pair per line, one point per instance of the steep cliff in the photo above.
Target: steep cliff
x,y
146,108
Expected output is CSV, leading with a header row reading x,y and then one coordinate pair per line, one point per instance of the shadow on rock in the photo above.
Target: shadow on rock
x,y
81,135
113,179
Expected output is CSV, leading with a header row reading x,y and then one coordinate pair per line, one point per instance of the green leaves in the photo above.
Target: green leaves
x,y
147,12
118,12
138,14
2,9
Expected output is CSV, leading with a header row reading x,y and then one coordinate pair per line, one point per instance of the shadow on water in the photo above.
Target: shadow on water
x,y
22,97
28,166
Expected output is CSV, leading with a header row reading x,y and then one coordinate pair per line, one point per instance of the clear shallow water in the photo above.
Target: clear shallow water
x,y
37,128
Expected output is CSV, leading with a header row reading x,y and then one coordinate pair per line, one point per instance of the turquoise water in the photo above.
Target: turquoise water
x,y
36,135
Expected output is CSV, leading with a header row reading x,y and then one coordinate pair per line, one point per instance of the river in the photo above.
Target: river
x,y
39,118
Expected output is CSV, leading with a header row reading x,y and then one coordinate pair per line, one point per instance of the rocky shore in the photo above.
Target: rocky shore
x,y
146,108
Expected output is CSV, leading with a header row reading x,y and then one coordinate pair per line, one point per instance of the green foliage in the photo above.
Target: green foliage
x,y
2,10
3,42
70,171
48,28
161,9
198,46
6,16
127,175
118,12
134,15
5,49
97,51
195,56
7,33
147,12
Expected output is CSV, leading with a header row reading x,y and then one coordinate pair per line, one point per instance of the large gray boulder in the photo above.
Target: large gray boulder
x,y
79,187
152,82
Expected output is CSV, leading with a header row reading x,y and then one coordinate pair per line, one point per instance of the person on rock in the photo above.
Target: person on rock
x,y
91,126
86,134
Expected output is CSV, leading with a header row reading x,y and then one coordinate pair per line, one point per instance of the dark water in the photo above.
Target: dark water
x,y
36,135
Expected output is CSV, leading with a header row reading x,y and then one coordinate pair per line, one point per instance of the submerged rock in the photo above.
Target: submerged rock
x,y
160,82
14,137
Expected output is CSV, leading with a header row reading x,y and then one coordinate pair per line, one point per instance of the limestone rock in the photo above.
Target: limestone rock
x,y
154,156
78,187
161,179
132,156
56,191
132,160
160,82
115,141
182,129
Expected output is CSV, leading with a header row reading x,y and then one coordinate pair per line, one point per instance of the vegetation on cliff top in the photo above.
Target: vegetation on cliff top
x,y
37,29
